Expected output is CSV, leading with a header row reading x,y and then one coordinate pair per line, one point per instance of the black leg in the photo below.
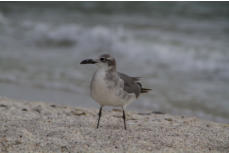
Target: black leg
x,y
100,114
124,118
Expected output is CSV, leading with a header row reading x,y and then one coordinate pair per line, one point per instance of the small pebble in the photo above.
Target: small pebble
x,y
24,109
168,119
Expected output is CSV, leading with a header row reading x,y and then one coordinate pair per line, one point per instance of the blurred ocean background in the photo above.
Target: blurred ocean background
x,y
180,48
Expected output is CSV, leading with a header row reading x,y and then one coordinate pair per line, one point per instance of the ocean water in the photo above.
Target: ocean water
x,y
179,48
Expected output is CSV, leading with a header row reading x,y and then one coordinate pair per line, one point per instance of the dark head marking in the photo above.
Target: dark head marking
x,y
106,58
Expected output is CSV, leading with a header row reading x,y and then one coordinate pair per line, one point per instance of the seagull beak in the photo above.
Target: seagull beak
x,y
88,61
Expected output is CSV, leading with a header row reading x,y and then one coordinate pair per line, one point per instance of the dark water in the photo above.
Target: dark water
x,y
180,48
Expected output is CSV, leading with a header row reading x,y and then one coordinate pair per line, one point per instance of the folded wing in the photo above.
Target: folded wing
x,y
132,84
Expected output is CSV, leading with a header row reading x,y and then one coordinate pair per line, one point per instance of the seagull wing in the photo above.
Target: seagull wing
x,y
130,84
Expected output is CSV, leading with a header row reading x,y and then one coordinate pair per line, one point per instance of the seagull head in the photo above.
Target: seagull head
x,y
105,61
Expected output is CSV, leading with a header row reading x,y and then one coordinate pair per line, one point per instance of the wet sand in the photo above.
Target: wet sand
x,y
43,127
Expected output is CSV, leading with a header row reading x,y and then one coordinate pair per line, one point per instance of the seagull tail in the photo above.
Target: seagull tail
x,y
145,90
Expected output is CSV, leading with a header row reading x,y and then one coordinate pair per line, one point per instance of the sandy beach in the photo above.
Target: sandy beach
x,y
27,127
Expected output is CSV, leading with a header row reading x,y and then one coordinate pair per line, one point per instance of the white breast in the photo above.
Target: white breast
x,y
102,93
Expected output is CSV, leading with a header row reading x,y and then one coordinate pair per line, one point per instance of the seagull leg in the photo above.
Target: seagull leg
x,y
124,118
100,114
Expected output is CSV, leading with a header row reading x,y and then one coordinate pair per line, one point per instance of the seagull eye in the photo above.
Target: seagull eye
x,y
102,59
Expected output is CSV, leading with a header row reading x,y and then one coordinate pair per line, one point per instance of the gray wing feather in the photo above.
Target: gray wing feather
x,y
130,84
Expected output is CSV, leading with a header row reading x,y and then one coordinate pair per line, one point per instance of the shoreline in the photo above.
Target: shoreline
x,y
60,97
44,127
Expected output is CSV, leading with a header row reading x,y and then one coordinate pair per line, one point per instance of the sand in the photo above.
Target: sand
x,y
27,127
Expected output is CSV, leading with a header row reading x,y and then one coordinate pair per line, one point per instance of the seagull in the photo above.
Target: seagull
x,y
111,88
